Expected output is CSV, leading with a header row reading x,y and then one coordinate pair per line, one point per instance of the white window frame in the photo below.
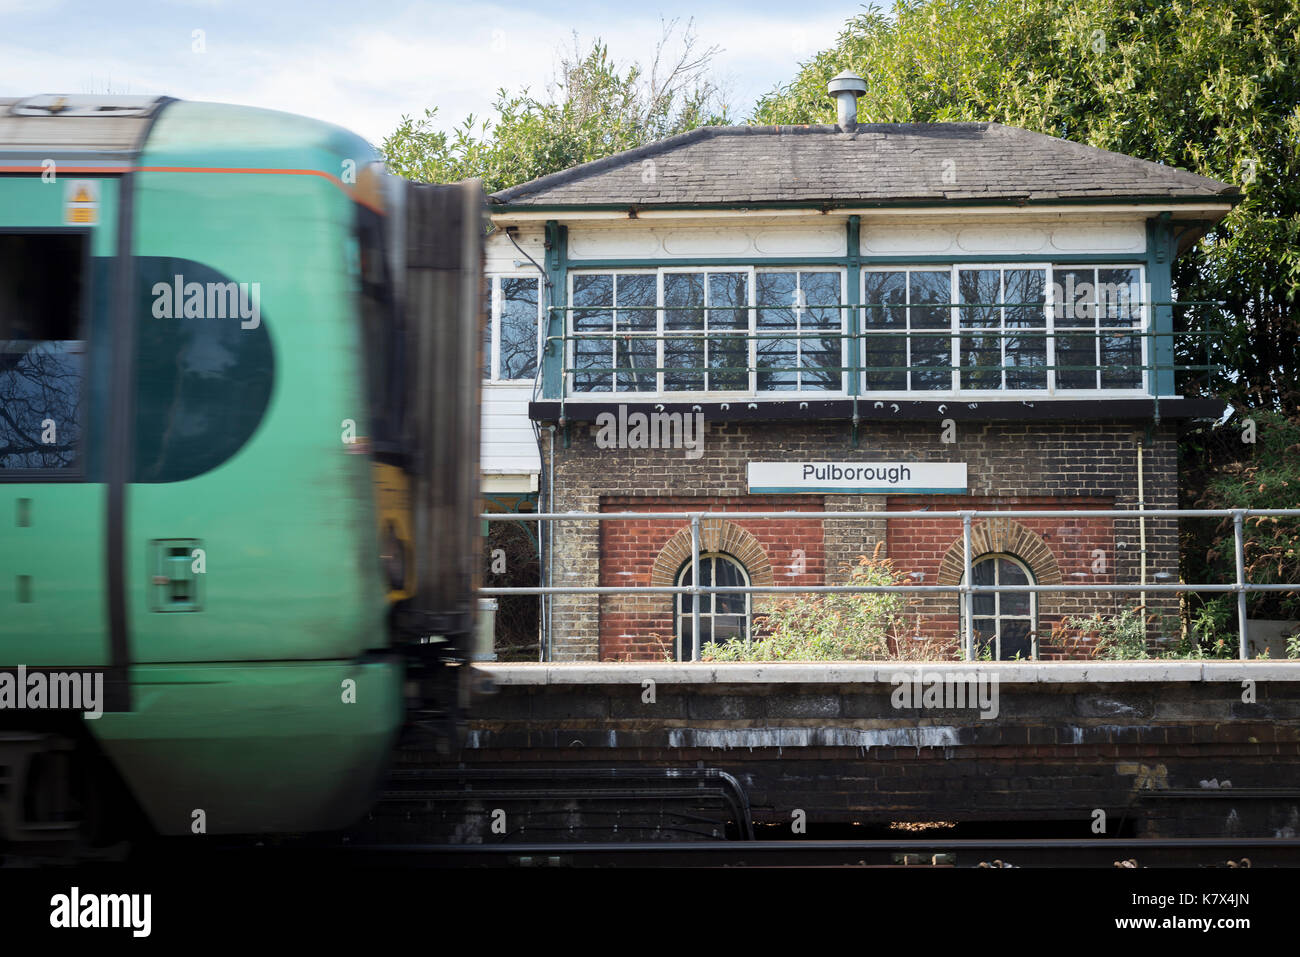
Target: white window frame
x,y
1097,331
682,395
954,325
682,607
494,318
569,352
799,271
997,615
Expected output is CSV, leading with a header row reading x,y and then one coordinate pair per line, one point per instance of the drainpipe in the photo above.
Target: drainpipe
x,y
1142,536
547,652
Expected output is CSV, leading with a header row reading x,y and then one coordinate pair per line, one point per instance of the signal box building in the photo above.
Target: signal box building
x,y
857,317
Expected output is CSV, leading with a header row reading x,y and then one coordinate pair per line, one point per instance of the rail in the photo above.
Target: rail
x,y
965,589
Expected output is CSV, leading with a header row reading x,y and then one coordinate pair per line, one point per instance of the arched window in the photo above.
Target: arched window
x,y
1004,622
722,617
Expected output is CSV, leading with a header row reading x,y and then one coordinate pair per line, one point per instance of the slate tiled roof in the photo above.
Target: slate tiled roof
x,y
877,164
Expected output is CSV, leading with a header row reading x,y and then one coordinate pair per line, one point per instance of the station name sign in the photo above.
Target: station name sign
x,y
862,478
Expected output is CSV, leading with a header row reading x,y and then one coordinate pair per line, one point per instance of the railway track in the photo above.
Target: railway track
x,y
914,853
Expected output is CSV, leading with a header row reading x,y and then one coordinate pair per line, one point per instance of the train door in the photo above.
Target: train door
x,y
56,247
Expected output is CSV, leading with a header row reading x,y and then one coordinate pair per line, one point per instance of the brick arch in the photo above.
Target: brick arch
x,y
1008,537
716,535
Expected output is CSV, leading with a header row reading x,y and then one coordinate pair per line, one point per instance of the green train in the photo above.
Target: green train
x,y
239,419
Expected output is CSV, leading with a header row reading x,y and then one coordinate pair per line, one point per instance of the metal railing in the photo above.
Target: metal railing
x,y
965,589
958,332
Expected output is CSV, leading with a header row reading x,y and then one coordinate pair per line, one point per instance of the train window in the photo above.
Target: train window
x,y
722,616
42,350
202,385
1003,621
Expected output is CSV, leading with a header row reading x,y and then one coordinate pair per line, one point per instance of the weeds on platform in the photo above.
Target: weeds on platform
x,y
1125,636
852,626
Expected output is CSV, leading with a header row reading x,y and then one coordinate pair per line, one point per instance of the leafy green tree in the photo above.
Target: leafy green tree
x,y
594,109
1211,86
1250,461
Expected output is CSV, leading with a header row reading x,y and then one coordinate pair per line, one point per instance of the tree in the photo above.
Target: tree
x,y
594,109
1249,461
1211,86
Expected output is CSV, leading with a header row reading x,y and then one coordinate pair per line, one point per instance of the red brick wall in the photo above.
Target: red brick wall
x,y
641,627
919,545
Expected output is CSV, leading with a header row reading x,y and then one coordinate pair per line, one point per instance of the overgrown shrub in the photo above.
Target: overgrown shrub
x,y
1123,637
858,626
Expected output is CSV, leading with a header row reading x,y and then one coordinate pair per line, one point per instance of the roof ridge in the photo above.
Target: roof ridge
x,y
690,136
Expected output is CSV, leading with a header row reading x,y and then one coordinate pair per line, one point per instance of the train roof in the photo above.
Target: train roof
x,y
116,128
60,124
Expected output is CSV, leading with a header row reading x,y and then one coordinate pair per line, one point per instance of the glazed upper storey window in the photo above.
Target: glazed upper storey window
x,y
953,329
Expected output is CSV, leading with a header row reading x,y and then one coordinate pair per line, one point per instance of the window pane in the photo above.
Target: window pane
x,y
1120,307
42,354
518,328
889,289
595,353
1119,297
1026,357
980,355
636,353
1015,640
1074,294
1121,361
1075,362
726,627
930,295
1013,603
688,639
821,360
728,573
728,309
684,311
775,355
1076,297
984,573
1009,573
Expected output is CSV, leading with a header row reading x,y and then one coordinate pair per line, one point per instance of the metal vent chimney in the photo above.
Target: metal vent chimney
x,y
846,88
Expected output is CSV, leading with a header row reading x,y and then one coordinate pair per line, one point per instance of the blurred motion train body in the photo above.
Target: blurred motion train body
x,y
238,465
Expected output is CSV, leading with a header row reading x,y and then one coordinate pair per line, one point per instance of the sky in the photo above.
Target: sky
x,y
364,64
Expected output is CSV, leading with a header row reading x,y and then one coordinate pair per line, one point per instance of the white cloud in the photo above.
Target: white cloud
x,y
365,76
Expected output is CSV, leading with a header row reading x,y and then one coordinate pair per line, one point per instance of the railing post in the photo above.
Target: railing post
x,y
1238,517
965,588
695,588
